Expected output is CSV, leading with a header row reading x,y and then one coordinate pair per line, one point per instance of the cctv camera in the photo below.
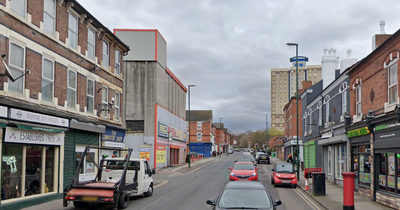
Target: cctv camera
x,y
112,100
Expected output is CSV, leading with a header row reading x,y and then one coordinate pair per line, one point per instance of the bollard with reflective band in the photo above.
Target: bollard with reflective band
x,y
348,190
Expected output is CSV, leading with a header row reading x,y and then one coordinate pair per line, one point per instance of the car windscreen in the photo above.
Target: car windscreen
x,y
247,198
249,156
285,168
243,166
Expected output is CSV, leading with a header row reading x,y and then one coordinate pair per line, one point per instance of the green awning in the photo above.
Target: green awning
x,y
26,127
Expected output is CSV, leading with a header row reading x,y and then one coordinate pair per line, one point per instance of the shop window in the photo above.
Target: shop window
x,y
71,92
49,16
39,162
389,172
87,171
330,160
341,160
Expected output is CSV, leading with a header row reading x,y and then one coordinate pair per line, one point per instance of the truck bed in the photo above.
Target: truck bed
x,y
96,189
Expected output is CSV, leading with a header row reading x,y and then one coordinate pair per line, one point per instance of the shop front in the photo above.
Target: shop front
x,y
335,151
361,159
387,163
291,148
171,146
31,165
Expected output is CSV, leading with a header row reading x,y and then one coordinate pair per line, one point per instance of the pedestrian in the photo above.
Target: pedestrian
x,y
290,159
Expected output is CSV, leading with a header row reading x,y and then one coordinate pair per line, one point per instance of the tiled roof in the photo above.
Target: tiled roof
x,y
199,115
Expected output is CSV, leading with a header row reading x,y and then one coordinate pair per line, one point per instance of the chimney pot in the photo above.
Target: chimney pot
x,y
382,25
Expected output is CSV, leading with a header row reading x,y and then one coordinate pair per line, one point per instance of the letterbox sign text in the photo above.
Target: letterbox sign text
x,y
358,132
165,130
114,135
38,118
16,135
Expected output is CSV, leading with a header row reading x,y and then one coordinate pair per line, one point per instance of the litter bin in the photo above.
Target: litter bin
x,y
318,180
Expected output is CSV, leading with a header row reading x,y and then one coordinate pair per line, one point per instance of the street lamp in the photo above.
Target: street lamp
x,y
190,154
266,129
220,134
297,107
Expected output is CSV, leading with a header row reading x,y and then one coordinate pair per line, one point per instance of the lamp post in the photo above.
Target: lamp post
x,y
220,135
266,129
297,107
190,154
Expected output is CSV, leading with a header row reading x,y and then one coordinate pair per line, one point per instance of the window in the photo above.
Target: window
x,y
136,126
326,102
17,67
88,170
118,62
71,92
90,96
358,100
104,101
106,54
117,113
199,135
343,88
39,162
19,7
392,83
329,159
49,16
47,80
341,160
319,107
305,121
91,43
389,173
310,114
199,125
72,31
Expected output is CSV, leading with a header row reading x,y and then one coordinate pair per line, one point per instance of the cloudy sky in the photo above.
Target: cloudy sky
x,y
227,47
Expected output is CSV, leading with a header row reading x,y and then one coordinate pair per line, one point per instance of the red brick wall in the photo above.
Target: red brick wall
x,y
290,119
33,81
36,11
62,21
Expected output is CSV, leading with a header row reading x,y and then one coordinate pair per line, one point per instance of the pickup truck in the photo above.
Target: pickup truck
x,y
117,179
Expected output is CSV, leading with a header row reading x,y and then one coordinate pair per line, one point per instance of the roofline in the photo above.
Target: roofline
x,y
176,79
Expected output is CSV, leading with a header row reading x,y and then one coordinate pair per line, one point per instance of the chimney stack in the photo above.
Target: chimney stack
x,y
380,38
347,62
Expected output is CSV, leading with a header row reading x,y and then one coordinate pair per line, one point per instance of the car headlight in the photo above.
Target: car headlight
x,y
278,175
232,174
294,176
253,174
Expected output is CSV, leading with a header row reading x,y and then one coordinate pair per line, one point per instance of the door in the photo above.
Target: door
x,y
147,179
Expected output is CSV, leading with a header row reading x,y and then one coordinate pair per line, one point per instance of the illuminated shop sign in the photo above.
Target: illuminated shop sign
x,y
386,126
358,132
165,130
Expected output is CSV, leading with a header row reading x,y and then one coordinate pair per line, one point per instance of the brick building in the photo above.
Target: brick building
x,y
201,131
374,130
63,91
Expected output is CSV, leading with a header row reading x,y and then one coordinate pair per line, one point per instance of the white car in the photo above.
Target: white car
x,y
258,155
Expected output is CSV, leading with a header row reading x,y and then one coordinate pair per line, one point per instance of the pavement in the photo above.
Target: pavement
x,y
333,200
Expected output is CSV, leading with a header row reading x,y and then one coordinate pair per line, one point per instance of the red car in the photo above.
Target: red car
x,y
243,171
284,173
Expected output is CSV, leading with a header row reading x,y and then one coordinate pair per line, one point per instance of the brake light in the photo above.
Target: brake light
x,y
69,197
108,199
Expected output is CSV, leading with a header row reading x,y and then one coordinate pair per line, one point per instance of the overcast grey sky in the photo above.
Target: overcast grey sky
x,y
227,47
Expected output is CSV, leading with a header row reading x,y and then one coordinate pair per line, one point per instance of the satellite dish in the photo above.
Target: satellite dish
x,y
8,72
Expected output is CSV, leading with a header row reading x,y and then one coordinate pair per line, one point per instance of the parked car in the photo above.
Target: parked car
x,y
244,195
243,171
245,157
258,155
284,173
263,158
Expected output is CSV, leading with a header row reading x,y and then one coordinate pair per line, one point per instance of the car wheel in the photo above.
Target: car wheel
x,y
294,186
80,205
272,180
150,191
123,201
275,185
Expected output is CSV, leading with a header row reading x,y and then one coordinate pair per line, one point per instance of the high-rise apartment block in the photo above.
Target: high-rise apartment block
x,y
283,86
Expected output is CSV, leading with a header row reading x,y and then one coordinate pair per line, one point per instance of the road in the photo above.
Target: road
x,y
191,189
